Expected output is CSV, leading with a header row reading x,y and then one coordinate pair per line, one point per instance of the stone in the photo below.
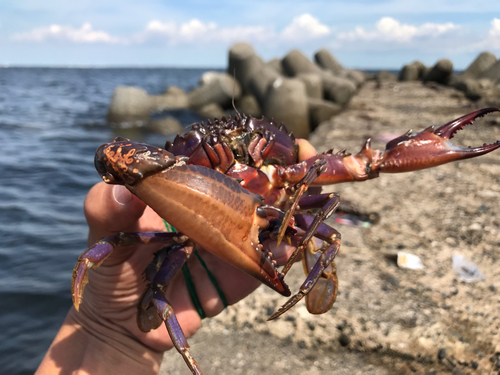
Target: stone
x,y
287,102
129,105
210,111
173,98
408,73
338,90
167,126
208,77
355,76
441,353
220,89
492,73
469,86
344,340
259,83
440,72
248,105
243,64
327,61
313,83
420,67
276,65
174,90
412,72
321,110
384,75
335,88
295,62
482,63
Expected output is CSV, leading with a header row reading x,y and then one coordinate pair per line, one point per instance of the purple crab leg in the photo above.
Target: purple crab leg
x,y
313,225
317,201
314,172
325,292
167,314
167,262
96,254
321,297
328,203
154,308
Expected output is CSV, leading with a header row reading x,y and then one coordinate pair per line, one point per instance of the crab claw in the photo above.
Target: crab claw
x,y
431,147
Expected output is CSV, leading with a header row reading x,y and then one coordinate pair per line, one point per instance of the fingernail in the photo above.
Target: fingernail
x,y
121,194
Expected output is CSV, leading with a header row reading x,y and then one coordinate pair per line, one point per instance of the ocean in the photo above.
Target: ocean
x,y
51,122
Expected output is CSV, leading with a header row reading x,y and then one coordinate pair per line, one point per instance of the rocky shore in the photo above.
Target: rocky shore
x,y
293,89
386,319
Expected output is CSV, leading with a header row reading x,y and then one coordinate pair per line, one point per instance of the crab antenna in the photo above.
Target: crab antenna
x,y
234,87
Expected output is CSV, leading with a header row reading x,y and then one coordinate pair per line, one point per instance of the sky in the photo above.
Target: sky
x,y
361,34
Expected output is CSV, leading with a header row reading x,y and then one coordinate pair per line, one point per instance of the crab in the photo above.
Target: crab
x,y
231,184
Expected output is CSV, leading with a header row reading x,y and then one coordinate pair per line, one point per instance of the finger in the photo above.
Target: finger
x,y
306,150
234,283
110,209
282,252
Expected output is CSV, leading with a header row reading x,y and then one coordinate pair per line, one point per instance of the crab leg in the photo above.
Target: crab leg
x,y
315,227
331,202
322,272
316,170
409,152
95,255
174,330
323,294
154,306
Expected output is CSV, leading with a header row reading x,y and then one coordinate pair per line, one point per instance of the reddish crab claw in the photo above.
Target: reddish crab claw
x,y
409,152
431,147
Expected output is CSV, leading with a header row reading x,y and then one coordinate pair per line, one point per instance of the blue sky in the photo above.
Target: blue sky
x,y
191,33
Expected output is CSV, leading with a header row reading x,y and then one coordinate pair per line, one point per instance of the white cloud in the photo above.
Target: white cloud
x,y
305,27
303,31
196,31
388,29
167,28
495,28
492,41
85,34
186,32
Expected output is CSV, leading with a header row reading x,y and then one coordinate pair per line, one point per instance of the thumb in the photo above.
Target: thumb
x,y
110,209
306,150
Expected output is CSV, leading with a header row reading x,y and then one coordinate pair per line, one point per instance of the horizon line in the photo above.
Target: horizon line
x,y
85,66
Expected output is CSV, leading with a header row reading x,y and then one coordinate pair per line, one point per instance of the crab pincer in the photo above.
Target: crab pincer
x,y
431,147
